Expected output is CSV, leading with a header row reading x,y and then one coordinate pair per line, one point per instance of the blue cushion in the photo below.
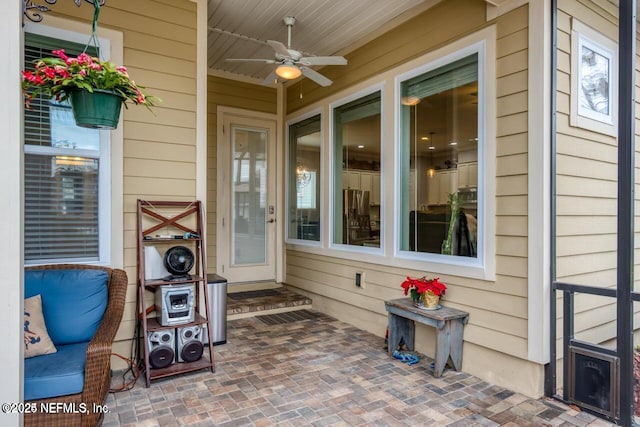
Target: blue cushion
x,y
73,301
56,374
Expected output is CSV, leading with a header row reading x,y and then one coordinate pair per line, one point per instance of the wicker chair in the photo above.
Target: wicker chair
x,y
98,362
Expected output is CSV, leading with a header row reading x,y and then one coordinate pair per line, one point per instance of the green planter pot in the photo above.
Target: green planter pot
x,y
99,109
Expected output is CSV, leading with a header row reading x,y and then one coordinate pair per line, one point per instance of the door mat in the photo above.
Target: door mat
x,y
254,294
290,317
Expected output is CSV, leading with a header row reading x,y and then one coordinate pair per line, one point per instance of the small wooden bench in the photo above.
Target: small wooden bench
x,y
448,323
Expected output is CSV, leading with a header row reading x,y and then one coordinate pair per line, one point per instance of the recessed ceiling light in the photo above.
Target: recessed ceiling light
x,y
431,147
360,146
425,138
453,143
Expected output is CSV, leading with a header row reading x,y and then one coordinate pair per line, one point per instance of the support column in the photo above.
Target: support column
x,y
11,251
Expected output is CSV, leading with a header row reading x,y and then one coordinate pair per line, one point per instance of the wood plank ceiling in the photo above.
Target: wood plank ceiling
x,y
323,27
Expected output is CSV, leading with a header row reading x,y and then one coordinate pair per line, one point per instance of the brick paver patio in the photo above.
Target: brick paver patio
x,y
323,372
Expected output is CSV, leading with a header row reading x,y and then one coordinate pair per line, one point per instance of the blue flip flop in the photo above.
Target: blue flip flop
x,y
410,359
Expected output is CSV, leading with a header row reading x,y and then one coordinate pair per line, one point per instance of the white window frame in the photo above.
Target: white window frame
x,y
469,263
583,35
110,252
319,175
482,268
332,171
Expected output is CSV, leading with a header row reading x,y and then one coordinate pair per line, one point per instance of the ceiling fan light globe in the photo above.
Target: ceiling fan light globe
x,y
288,72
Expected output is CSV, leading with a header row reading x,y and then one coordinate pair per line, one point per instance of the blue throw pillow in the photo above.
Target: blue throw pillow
x,y
73,302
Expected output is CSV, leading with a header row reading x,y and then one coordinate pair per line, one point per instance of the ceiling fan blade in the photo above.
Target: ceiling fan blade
x,y
316,76
279,48
322,60
264,61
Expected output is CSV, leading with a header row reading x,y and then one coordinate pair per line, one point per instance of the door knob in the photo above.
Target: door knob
x,y
272,220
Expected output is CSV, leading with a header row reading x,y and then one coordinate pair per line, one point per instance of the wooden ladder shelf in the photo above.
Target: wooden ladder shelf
x,y
181,225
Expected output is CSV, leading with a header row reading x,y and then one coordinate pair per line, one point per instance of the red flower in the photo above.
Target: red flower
x,y
62,71
83,58
423,285
60,75
49,72
60,54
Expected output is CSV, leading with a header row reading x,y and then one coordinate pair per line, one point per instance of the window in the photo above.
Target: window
x,y
594,65
304,187
66,168
438,189
356,169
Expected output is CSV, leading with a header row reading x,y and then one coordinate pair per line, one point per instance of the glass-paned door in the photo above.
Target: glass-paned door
x,y
248,200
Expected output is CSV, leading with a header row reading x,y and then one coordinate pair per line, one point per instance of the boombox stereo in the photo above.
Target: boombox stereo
x,y
175,304
190,343
161,346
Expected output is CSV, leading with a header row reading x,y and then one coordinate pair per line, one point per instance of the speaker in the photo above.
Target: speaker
x,y
190,343
161,348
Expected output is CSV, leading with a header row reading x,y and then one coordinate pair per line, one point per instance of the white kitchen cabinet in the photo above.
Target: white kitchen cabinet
x,y
351,179
366,182
468,175
448,184
370,181
433,189
354,180
440,185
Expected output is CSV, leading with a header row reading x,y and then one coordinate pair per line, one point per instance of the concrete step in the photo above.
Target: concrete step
x,y
264,301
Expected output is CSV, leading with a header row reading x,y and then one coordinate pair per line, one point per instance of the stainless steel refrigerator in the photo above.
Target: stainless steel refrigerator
x,y
356,220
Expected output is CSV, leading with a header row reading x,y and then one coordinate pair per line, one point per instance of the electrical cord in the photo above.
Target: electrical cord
x,y
134,369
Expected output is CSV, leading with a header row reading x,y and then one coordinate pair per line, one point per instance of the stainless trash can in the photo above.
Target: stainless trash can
x,y
217,294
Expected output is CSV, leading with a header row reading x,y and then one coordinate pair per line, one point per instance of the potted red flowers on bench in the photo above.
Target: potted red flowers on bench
x,y
425,293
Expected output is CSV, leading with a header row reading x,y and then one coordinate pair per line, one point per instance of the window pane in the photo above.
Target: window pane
x,y
439,160
304,185
249,196
357,172
61,208
39,121
61,188
65,133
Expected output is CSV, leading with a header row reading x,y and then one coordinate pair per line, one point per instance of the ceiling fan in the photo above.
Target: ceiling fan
x,y
292,63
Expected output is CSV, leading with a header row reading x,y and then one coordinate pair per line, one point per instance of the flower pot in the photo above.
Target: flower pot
x,y
430,300
99,109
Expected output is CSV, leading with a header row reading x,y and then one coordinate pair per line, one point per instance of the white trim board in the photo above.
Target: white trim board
x,y
539,190
11,211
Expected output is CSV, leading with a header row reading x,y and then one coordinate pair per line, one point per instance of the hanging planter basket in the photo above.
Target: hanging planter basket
x,y
65,77
99,109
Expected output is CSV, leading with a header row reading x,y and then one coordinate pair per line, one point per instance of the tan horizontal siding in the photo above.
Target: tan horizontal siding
x,y
511,144
158,151
149,168
159,148
586,187
146,133
512,104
